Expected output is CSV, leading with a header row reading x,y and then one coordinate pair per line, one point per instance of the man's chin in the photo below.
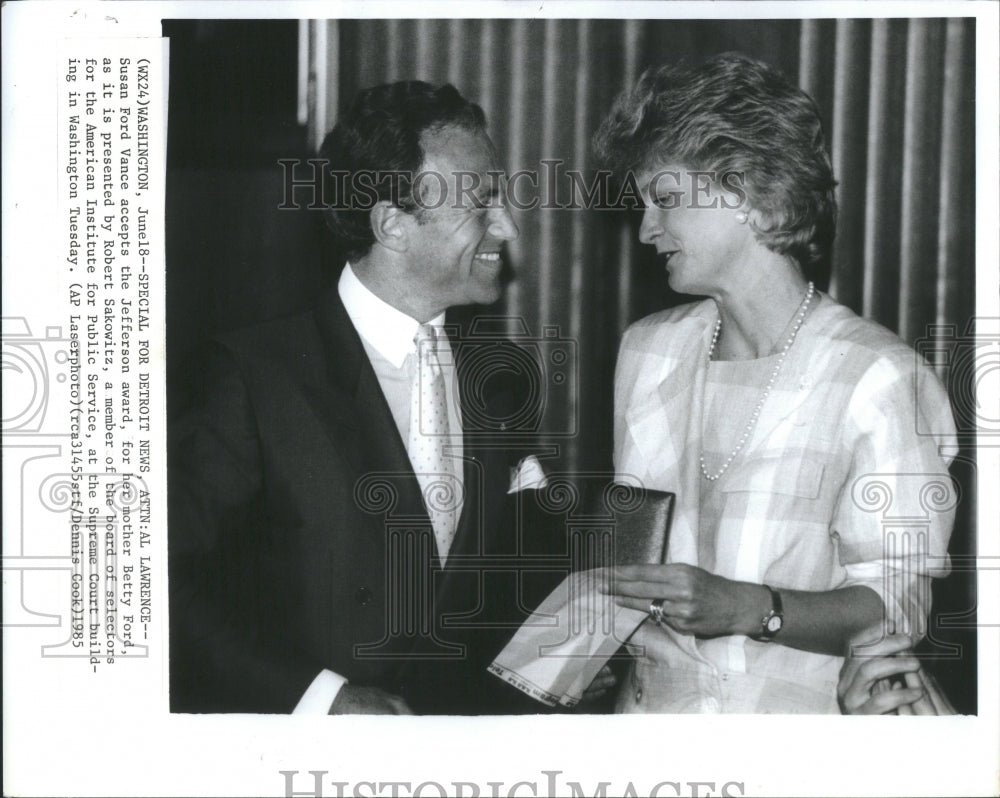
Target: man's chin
x,y
488,291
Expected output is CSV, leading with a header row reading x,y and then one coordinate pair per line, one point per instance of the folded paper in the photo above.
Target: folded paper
x,y
559,649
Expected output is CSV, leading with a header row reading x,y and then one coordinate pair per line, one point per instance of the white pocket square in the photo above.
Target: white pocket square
x,y
529,474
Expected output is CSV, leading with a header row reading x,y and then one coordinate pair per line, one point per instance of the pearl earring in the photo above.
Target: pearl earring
x,y
741,217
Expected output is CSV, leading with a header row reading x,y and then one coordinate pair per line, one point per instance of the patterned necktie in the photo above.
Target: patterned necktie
x,y
429,435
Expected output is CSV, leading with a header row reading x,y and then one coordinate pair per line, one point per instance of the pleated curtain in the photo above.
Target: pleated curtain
x,y
897,99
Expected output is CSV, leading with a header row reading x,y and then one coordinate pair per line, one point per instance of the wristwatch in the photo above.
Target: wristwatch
x,y
771,623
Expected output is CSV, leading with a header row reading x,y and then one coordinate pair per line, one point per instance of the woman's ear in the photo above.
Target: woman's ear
x,y
391,226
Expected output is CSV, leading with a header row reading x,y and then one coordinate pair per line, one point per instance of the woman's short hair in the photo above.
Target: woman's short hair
x,y
734,115
374,153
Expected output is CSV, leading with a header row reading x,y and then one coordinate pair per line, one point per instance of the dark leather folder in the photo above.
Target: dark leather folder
x,y
641,525
578,522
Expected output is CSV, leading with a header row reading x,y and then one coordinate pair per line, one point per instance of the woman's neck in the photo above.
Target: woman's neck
x,y
757,313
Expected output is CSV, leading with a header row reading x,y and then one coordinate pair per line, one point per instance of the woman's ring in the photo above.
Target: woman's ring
x,y
656,611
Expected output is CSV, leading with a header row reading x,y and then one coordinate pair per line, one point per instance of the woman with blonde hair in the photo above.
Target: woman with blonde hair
x,y
769,409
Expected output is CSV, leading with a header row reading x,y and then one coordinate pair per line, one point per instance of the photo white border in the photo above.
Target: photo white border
x,y
78,740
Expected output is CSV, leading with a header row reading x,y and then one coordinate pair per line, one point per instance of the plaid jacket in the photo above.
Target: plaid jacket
x,y
844,481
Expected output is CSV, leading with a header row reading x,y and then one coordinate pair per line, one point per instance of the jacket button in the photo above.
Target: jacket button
x,y
638,695
363,596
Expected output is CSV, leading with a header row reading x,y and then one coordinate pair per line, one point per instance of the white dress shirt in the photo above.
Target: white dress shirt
x,y
388,338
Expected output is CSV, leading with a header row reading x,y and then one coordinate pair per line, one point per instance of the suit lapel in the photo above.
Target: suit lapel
x,y
355,411
358,419
663,406
484,466
663,420
469,524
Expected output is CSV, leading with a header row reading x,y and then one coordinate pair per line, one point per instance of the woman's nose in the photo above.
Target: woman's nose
x,y
651,227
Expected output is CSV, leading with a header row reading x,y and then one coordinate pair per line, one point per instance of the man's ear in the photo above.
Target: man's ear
x,y
391,226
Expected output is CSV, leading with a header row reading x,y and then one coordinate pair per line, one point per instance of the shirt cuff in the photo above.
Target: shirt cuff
x,y
320,695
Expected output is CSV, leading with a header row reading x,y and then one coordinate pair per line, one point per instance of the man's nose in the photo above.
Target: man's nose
x,y
502,225
651,228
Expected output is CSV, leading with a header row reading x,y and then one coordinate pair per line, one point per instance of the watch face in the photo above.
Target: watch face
x,y
774,623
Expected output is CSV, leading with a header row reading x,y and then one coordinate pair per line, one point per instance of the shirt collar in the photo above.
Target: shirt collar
x,y
389,331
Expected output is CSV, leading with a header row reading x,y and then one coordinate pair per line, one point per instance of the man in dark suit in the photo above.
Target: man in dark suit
x,y
338,494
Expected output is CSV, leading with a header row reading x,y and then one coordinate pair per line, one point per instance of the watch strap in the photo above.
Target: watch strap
x,y
777,611
776,607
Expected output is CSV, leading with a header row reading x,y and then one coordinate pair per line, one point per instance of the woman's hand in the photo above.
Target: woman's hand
x,y
884,678
694,600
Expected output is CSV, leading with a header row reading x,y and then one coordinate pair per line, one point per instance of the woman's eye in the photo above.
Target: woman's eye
x,y
667,200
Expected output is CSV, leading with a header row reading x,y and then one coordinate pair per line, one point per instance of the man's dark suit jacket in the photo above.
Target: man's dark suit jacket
x,y
298,539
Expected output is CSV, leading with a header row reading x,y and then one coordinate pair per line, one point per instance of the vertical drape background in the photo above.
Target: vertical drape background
x,y
896,96
897,101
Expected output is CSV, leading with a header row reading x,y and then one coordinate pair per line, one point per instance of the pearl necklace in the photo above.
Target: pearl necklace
x,y
799,318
